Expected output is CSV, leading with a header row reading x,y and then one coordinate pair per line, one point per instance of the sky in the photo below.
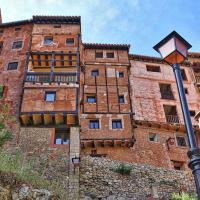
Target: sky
x,y
140,23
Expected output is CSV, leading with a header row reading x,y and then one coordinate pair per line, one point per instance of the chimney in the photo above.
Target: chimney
x,y
0,17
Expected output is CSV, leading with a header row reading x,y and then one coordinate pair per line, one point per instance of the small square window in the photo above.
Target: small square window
x,y
153,137
178,165
99,54
91,99
121,99
17,29
70,41
94,124
1,91
48,40
1,32
12,65
153,68
17,45
192,113
116,124
186,90
95,73
50,96
110,55
61,137
181,142
121,74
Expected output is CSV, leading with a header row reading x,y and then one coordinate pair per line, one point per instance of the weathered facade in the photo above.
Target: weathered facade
x,y
97,99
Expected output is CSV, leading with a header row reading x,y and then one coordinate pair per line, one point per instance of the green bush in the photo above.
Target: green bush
x,y
123,169
182,196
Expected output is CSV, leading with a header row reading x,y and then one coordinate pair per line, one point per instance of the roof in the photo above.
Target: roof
x,y
106,46
194,54
145,58
40,19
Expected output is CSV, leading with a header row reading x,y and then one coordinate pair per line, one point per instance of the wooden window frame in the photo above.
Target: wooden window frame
x,y
118,124
96,124
50,92
15,45
9,68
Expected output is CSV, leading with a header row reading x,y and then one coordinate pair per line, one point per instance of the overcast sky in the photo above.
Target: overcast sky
x,y
141,23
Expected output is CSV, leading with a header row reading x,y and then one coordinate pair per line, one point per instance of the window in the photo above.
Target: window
x,y
1,91
17,45
181,142
94,124
171,114
48,40
57,26
61,136
99,54
186,90
95,73
153,68
183,74
1,46
50,96
12,65
116,124
70,41
192,113
17,29
121,99
91,99
153,137
178,165
121,74
166,91
110,55
1,31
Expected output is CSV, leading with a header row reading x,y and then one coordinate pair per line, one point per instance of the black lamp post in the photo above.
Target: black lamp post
x,y
173,49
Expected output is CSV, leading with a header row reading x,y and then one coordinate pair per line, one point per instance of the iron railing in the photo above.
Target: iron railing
x,y
51,77
172,119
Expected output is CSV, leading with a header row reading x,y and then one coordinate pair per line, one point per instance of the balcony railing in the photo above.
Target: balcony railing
x,y
167,95
51,77
172,119
197,76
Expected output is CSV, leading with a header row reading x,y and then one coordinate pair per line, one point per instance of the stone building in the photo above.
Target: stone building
x,y
95,99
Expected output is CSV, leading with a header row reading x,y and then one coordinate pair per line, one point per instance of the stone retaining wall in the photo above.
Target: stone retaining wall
x,y
99,181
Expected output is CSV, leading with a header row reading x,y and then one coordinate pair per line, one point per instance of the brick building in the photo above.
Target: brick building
x,y
72,97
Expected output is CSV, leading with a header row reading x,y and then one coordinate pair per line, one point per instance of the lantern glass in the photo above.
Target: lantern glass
x,y
173,48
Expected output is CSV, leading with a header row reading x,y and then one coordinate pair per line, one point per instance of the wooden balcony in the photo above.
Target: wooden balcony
x,y
172,119
43,77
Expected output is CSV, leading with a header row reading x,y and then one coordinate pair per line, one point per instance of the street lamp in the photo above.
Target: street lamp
x,y
173,49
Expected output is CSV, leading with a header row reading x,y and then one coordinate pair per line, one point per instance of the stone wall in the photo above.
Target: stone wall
x,y
99,181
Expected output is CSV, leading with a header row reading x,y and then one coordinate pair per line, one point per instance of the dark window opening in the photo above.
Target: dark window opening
x,y
1,47
153,68
153,137
17,45
99,55
57,26
94,124
48,40
50,96
181,142
116,124
61,136
95,73
186,90
178,165
192,113
12,65
166,91
171,114
110,55
91,99
17,29
1,91
1,31
70,41
121,99
121,74
183,74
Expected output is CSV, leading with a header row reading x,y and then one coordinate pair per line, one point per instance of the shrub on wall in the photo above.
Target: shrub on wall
x,y
182,196
123,169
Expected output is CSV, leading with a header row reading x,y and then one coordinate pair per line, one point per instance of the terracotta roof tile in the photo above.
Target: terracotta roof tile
x,y
106,46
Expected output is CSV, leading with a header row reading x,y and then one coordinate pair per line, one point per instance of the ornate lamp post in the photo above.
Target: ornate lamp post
x,y
173,49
